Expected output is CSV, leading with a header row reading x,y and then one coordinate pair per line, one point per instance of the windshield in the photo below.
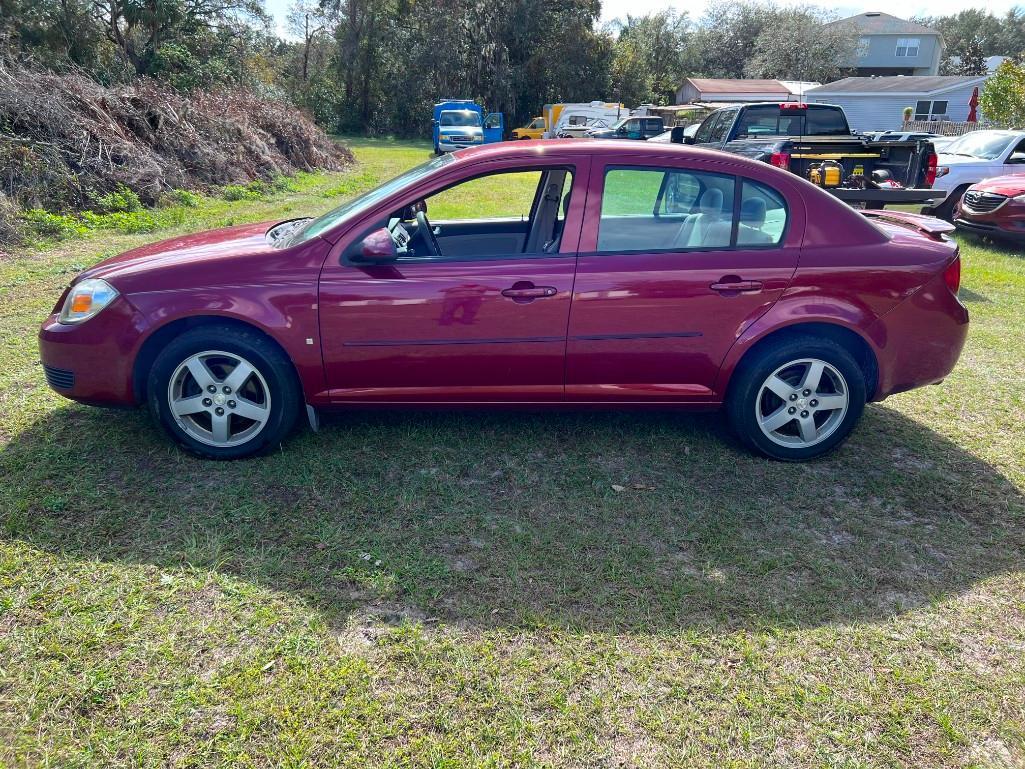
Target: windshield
x,y
461,118
979,144
619,123
363,202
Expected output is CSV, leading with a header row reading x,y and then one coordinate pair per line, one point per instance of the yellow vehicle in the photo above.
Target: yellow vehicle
x,y
532,130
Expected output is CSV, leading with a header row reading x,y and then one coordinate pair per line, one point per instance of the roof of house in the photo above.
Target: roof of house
x,y
876,23
714,85
898,84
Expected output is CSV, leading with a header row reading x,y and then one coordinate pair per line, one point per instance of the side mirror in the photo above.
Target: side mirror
x,y
378,247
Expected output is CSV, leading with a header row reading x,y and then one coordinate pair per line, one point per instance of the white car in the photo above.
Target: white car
x,y
973,157
667,137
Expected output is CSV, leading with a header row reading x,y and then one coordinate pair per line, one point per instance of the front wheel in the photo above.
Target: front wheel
x,y
224,392
797,399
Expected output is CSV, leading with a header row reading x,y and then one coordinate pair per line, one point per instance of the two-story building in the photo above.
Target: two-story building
x,y
891,46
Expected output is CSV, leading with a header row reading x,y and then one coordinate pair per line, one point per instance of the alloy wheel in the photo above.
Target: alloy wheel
x,y
802,403
219,398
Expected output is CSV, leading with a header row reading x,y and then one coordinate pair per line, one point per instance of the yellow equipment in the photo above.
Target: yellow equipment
x,y
828,173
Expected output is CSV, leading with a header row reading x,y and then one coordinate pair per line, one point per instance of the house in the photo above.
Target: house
x,y
891,46
877,103
698,90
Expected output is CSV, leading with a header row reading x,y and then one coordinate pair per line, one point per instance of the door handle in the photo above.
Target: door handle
x,y
524,291
730,284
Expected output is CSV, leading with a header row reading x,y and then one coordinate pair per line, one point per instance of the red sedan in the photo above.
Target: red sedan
x,y
994,207
640,275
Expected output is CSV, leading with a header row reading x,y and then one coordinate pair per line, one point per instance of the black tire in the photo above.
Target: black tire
x,y
273,372
945,210
745,394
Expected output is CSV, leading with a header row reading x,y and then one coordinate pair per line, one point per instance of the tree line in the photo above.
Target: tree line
x,y
377,66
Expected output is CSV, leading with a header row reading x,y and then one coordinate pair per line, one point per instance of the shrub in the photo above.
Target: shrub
x,y
47,225
121,200
185,198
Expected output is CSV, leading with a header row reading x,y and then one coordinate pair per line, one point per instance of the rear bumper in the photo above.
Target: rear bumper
x,y
920,341
894,197
92,362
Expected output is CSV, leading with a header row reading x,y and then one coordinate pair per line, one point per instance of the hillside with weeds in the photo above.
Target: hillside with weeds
x,y
71,148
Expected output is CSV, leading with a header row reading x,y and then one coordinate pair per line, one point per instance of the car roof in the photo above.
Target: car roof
x,y
604,148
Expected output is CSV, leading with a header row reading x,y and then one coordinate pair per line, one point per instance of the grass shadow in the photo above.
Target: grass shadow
x,y
614,521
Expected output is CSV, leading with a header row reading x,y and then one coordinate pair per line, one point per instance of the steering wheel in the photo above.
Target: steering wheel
x,y
423,226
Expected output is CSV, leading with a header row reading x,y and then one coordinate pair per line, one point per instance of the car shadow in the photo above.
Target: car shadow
x,y
614,521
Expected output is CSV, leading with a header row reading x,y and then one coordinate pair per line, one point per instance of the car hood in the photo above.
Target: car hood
x,y
1009,186
228,247
944,159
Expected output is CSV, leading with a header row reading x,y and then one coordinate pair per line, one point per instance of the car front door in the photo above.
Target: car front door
x,y
675,262
486,319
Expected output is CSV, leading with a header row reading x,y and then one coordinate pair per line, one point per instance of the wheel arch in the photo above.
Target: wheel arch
x,y
854,342
159,338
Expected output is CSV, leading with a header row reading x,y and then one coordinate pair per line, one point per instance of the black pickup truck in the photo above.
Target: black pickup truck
x,y
815,142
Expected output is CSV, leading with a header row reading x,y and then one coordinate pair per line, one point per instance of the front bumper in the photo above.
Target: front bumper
x,y
91,362
451,145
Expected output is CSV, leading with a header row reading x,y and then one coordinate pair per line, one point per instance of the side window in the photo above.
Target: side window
x,y
496,196
665,209
720,129
705,129
763,216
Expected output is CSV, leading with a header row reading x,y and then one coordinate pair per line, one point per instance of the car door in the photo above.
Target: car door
x,y
677,258
486,320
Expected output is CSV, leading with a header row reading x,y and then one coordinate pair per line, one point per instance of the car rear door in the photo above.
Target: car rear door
x,y
483,322
670,274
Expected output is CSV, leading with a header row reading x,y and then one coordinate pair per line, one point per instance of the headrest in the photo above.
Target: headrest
x,y
711,201
752,212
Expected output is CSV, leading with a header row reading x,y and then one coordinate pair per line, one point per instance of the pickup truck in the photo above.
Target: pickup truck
x,y
815,142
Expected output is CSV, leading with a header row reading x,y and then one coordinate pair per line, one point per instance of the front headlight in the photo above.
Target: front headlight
x,y
1019,198
86,299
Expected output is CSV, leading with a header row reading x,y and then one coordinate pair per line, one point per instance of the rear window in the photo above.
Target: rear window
x,y
826,121
772,120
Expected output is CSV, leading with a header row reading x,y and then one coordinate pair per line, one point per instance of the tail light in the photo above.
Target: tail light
x,y
780,160
930,169
952,275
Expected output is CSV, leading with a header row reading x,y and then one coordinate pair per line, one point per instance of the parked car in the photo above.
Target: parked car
x,y
900,136
533,130
557,116
581,129
632,127
644,275
994,207
462,123
815,142
666,137
973,157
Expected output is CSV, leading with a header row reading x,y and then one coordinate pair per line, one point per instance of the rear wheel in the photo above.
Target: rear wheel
x,y
224,392
797,399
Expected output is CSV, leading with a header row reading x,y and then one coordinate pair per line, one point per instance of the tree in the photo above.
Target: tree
x,y
726,36
1003,96
139,28
648,60
796,44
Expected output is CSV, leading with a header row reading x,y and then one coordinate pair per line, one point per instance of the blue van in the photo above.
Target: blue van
x,y
462,123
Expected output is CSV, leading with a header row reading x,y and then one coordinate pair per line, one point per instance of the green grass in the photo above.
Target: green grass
x,y
450,590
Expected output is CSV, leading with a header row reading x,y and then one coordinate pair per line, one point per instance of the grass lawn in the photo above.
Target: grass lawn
x,y
471,589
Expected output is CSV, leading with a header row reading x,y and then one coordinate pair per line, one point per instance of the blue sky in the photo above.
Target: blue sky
x,y
616,8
